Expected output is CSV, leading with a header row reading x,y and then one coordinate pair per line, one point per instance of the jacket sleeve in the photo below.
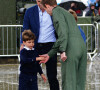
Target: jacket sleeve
x,y
61,27
26,23
24,58
39,68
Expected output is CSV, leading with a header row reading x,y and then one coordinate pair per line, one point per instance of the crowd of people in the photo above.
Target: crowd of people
x,y
94,9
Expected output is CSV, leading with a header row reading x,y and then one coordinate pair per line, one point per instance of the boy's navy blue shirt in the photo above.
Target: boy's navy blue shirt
x,y
28,62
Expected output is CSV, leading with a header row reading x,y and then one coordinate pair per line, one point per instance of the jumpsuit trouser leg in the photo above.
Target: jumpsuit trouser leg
x,y
74,71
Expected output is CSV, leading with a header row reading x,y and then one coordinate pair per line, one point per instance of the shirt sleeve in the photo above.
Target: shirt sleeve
x,y
61,27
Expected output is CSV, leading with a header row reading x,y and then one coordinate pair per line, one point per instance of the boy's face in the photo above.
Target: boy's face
x,y
29,43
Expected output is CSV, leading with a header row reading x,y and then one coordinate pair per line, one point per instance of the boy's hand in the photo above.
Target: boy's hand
x,y
44,77
40,58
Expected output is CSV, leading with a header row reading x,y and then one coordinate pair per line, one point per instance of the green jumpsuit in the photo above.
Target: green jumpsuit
x,y
69,39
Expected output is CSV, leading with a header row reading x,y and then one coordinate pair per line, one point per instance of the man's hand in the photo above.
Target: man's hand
x,y
63,56
46,58
21,47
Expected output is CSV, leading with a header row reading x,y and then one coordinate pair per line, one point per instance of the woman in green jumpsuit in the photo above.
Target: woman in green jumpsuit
x,y
70,41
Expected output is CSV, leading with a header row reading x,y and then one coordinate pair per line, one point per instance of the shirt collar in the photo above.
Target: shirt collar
x,y
28,48
39,9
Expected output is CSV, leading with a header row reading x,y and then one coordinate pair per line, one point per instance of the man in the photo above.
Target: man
x,y
69,43
40,23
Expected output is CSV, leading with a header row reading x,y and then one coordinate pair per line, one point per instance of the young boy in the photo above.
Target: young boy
x,y
29,66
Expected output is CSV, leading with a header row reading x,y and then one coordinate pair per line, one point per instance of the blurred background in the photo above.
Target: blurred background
x,y
12,11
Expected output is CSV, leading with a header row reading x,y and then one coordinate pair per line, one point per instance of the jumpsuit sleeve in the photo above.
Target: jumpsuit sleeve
x,y
61,28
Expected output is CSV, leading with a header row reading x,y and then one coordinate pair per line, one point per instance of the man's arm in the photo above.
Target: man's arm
x,y
26,24
61,28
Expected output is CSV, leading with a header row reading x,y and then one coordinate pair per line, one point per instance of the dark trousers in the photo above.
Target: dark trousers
x,y
51,65
28,82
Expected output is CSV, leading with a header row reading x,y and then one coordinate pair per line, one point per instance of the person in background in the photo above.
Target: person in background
x,y
40,23
99,11
92,11
97,4
29,67
70,45
78,10
75,16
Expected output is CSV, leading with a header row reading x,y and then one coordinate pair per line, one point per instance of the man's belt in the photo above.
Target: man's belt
x,y
42,44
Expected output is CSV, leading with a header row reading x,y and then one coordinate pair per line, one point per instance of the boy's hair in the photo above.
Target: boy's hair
x,y
49,2
27,35
73,13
